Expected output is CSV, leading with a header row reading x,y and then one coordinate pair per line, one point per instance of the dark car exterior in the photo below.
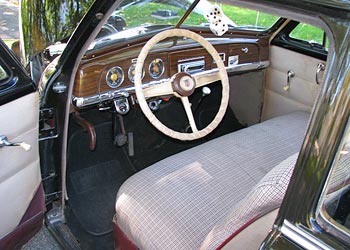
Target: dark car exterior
x,y
299,212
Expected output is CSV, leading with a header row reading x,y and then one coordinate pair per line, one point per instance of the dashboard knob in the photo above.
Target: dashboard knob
x,y
206,91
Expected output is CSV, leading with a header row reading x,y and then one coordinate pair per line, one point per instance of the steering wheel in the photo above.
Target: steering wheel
x,y
181,85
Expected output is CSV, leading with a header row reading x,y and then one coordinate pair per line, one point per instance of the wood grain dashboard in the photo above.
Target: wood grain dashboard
x,y
93,70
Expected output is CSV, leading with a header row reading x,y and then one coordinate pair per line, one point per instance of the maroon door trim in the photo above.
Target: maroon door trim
x,y
29,225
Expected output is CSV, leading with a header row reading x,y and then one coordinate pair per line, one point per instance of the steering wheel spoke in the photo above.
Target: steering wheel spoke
x,y
159,89
206,77
187,105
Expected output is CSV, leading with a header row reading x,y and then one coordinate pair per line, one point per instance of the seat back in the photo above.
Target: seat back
x,y
266,196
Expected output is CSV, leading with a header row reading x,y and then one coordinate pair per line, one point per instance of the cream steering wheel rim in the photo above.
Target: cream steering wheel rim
x,y
222,74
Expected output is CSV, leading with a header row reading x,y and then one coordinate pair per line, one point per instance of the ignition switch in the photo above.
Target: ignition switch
x,y
154,105
122,105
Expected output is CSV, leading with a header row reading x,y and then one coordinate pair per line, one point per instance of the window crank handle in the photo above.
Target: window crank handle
x,y
320,67
290,74
5,143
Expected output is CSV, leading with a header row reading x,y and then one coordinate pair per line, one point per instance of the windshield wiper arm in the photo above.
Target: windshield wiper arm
x,y
187,13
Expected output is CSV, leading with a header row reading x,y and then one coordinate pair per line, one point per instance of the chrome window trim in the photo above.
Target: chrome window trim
x,y
334,228
302,238
322,216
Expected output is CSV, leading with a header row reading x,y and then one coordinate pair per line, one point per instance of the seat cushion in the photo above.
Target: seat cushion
x,y
177,202
265,196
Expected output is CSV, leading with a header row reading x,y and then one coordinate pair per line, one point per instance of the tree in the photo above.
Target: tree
x,y
45,22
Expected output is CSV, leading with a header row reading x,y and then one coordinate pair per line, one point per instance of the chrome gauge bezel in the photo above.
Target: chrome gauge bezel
x,y
157,60
131,76
119,81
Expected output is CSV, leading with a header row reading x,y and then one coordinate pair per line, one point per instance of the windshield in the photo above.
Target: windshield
x,y
156,12
137,18
131,19
236,17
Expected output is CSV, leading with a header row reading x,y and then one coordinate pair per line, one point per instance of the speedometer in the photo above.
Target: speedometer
x,y
115,77
156,68
131,72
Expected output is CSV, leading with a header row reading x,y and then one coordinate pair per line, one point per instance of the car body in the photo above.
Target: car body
x,y
88,131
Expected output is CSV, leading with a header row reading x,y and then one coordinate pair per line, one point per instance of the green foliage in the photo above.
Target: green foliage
x,y
195,19
9,42
45,22
3,74
238,15
243,17
48,21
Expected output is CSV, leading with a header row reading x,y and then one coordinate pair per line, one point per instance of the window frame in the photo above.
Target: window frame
x,y
283,39
18,83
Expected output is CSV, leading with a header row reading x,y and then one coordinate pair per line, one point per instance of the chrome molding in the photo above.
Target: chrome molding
x,y
81,102
302,238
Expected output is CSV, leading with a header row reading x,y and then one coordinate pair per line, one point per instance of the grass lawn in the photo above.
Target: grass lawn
x,y
308,33
141,14
240,16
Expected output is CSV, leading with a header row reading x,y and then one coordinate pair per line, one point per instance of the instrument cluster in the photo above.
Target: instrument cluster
x,y
116,75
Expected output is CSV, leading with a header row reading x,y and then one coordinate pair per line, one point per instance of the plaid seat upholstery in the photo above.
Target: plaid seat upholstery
x,y
190,200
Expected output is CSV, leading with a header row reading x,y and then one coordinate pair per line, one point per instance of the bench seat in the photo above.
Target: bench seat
x,y
183,201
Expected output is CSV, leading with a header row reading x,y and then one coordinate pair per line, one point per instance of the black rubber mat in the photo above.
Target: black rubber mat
x,y
92,195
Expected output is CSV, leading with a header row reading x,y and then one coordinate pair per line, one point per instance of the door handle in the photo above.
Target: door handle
x,y
5,143
320,67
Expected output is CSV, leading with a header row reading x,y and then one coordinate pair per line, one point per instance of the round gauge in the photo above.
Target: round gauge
x,y
115,77
131,72
156,68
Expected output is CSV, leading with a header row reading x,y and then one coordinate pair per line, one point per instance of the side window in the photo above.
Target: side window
x,y
334,206
14,80
303,38
311,34
3,74
5,77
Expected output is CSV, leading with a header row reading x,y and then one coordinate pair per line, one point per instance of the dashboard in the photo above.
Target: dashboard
x,y
106,75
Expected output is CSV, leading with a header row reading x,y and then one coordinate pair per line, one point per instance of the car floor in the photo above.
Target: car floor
x,y
94,177
43,240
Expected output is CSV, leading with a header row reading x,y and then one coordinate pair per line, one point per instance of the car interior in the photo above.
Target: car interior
x,y
185,142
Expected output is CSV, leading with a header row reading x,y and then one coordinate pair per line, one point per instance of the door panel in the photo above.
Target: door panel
x,y
20,170
302,91
21,193
246,96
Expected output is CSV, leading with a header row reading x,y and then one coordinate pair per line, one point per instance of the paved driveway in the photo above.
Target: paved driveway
x,y
8,20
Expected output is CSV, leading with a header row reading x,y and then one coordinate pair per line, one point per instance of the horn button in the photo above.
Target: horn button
x,y
183,84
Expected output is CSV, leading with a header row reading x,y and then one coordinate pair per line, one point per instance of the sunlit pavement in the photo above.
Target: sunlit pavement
x,y
9,19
